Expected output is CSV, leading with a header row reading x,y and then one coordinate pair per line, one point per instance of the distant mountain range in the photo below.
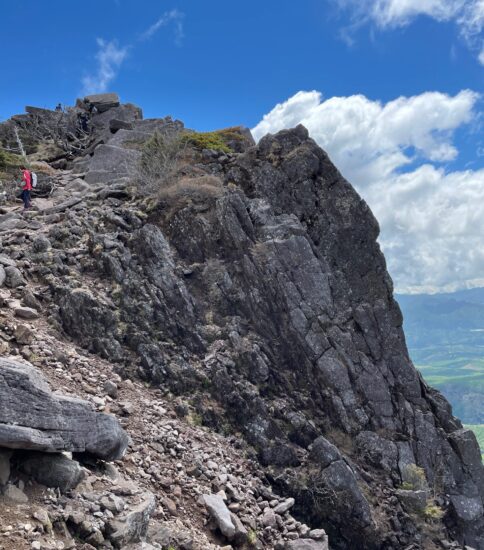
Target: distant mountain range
x,y
445,337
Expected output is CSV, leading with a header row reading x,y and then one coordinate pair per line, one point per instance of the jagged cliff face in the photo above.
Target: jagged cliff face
x,y
264,298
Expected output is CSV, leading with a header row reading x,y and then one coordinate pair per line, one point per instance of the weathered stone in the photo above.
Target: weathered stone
x,y
53,470
133,526
23,334
103,102
3,275
413,501
284,506
324,452
111,389
26,313
220,513
36,419
112,503
14,277
307,544
14,493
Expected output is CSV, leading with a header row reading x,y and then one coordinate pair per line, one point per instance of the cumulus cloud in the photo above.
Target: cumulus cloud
x,y
109,57
174,16
468,15
432,220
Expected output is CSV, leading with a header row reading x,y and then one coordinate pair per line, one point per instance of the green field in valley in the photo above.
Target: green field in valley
x,y
445,338
478,429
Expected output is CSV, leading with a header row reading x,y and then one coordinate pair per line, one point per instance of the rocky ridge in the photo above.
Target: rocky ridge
x,y
253,294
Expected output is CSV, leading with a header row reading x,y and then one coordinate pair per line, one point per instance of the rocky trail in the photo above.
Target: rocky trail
x,y
229,324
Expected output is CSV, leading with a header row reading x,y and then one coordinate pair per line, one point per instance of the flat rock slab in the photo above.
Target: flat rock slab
x,y
220,513
103,102
33,418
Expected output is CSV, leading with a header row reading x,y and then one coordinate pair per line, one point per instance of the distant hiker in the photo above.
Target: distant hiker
x,y
25,195
59,107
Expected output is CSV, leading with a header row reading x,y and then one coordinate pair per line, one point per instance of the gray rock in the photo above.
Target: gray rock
x,y
109,163
103,102
220,513
41,244
241,533
23,334
268,518
15,494
307,544
3,275
26,313
5,455
324,452
133,525
53,470
111,389
467,508
284,506
33,418
112,503
6,261
412,501
14,277
318,534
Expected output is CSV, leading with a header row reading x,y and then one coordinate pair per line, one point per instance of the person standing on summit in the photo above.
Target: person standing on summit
x,y
27,187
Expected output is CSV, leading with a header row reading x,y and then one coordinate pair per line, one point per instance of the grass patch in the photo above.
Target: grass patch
x,y
432,512
252,537
217,141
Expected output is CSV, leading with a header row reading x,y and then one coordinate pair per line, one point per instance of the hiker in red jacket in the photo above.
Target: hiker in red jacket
x,y
27,187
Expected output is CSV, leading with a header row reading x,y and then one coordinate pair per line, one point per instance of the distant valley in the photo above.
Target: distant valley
x,y
445,337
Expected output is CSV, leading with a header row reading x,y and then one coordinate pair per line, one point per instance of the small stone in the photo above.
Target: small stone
x,y
317,534
111,389
170,506
23,334
26,313
269,519
14,493
284,506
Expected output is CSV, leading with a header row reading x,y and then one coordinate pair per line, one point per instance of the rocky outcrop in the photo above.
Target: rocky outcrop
x,y
33,418
257,289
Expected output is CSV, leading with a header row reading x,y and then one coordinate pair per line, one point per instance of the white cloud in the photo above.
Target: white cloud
x,y
110,56
432,220
109,59
468,15
174,16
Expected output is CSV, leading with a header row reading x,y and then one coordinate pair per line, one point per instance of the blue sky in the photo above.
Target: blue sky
x,y
214,64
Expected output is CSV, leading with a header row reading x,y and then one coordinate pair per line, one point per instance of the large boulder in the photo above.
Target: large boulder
x,y
109,163
53,470
103,102
34,418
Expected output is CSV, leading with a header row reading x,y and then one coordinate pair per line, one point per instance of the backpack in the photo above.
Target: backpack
x,y
33,179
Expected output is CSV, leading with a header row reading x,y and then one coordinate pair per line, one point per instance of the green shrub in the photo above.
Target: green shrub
x,y
217,141
413,478
9,160
252,537
433,512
